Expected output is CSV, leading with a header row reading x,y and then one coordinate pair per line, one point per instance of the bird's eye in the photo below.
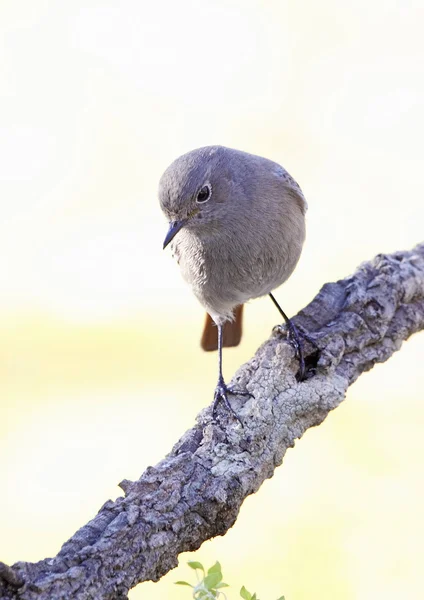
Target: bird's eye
x,y
204,194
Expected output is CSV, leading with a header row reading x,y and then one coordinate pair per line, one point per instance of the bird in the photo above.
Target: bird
x,y
236,229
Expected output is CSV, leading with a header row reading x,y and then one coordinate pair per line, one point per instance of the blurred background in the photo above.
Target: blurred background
x,y
100,365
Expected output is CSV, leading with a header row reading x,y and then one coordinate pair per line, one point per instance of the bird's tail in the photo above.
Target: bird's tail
x,y
231,334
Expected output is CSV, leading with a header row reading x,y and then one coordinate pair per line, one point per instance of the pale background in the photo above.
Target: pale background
x,y
100,366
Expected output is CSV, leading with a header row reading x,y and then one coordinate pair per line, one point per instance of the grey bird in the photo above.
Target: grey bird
x,y
237,227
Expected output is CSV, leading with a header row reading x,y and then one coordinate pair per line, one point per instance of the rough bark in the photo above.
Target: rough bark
x,y
195,492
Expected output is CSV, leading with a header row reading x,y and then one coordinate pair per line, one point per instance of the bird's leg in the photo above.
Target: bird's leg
x,y
295,339
222,390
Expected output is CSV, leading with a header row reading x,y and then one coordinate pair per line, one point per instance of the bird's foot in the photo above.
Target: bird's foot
x,y
221,395
308,337
283,329
295,340
296,337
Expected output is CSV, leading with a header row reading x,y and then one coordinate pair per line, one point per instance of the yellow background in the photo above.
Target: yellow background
x,y
100,368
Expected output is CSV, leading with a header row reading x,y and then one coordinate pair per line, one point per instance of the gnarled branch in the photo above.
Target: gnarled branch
x,y
195,492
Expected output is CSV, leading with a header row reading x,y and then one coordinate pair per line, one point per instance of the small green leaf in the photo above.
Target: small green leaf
x,y
195,565
245,594
221,585
216,568
281,598
183,583
208,594
210,581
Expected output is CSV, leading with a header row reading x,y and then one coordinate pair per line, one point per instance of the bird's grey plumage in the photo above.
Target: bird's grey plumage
x,y
246,239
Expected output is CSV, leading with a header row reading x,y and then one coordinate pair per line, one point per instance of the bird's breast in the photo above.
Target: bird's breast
x,y
226,269
207,266
190,254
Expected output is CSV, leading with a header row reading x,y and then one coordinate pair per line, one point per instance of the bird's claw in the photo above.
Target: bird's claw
x,y
221,395
295,339
308,337
296,336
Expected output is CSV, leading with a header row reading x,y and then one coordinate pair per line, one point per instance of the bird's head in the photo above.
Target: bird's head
x,y
194,188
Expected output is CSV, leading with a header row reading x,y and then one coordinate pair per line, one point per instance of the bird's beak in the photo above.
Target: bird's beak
x,y
174,228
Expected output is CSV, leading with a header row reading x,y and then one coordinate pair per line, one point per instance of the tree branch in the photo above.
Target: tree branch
x,y
195,492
